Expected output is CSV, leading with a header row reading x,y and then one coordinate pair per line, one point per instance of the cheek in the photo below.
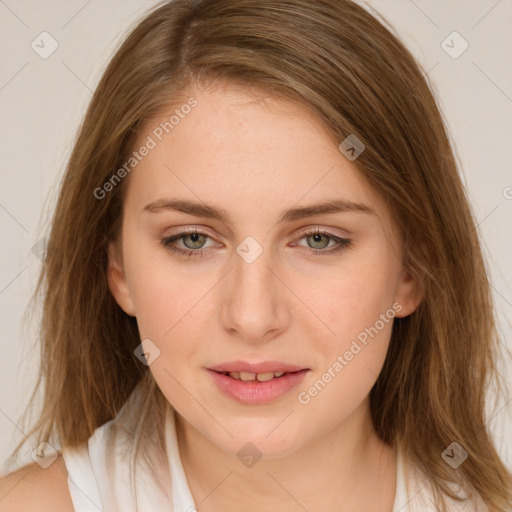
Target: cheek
x,y
355,298
161,294
175,310
358,308
171,312
360,311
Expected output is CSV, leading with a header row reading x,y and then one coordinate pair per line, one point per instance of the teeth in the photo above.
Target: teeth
x,y
261,377
247,376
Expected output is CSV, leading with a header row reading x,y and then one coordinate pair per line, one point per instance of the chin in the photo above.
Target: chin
x,y
270,438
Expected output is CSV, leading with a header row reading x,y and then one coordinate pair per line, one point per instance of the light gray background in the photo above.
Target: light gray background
x,y
42,101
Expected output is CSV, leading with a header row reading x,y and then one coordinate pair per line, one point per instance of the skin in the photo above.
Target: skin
x,y
254,157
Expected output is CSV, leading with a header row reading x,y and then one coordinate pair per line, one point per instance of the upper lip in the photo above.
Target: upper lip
x,y
263,367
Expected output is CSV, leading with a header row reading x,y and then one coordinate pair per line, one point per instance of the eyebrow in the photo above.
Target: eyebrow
x,y
296,213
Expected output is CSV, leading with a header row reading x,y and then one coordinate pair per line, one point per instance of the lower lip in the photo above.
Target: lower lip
x,y
255,392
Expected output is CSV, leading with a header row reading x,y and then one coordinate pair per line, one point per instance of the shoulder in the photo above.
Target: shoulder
x,y
32,488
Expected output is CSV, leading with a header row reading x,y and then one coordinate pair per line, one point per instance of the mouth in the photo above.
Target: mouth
x,y
242,367
260,377
256,384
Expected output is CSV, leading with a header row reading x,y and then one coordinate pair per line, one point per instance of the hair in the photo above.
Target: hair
x,y
338,61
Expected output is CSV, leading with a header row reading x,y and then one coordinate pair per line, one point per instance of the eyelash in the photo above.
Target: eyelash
x,y
167,242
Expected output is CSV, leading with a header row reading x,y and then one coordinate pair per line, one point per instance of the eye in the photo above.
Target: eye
x,y
193,243
192,240
196,240
319,240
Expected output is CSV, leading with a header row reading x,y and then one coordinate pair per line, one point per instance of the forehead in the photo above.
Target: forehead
x,y
248,152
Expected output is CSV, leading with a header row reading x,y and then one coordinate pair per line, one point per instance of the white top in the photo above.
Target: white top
x,y
94,489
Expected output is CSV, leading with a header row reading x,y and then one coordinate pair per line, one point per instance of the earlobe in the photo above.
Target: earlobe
x,y
117,282
409,294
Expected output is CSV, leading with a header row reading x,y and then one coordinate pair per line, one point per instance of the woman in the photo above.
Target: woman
x,y
264,286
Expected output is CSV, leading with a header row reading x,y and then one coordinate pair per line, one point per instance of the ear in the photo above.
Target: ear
x,y
116,279
409,294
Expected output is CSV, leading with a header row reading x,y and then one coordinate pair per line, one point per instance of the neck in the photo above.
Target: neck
x,y
347,468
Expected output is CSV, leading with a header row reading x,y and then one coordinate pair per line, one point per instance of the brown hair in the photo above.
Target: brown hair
x,y
338,61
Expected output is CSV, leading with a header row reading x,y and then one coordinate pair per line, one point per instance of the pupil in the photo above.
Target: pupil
x,y
317,239
193,240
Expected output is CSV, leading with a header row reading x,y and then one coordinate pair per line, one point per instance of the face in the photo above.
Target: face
x,y
234,272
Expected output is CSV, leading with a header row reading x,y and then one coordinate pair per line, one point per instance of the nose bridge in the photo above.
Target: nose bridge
x,y
253,305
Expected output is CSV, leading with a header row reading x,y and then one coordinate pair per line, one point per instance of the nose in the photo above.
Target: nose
x,y
254,304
